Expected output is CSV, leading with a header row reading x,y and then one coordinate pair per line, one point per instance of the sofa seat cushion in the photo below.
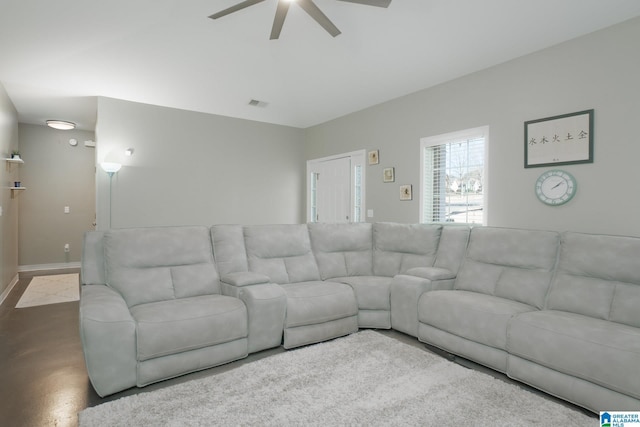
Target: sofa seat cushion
x,y
474,316
309,303
602,352
174,326
372,292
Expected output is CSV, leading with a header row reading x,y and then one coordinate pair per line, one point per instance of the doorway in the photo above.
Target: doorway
x,y
336,188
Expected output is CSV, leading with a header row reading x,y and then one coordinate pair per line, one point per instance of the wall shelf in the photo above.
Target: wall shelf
x,y
14,189
20,161
11,162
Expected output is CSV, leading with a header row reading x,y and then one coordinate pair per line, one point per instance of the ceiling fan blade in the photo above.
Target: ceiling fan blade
x,y
313,11
278,21
378,3
235,8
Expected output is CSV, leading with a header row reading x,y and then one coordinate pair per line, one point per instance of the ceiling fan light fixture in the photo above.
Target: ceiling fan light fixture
x,y
61,124
307,5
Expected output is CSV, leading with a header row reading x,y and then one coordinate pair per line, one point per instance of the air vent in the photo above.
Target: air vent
x,y
256,103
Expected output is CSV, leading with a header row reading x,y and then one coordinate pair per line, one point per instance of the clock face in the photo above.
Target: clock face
x,y
556,187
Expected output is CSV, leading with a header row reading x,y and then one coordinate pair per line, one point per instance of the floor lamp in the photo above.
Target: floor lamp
x,y
111,169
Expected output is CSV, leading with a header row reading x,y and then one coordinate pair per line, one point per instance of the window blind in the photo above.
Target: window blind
x,y
453,181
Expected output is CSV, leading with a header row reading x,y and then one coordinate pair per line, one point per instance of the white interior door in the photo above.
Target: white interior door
x,y
336,188
332,190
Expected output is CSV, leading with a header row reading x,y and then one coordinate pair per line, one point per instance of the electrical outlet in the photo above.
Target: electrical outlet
x,y
67,247
67,209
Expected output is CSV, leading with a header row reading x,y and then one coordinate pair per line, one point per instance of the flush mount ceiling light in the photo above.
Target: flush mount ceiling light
x,y
61,124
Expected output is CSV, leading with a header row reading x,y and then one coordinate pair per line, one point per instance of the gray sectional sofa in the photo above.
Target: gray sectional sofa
x,y
558,311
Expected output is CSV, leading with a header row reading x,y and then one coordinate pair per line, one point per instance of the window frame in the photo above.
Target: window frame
x,y
450,137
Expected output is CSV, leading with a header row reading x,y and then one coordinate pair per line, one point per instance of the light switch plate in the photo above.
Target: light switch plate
x,y
369,213
66,209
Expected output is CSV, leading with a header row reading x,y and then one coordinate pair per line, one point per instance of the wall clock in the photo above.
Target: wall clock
x,y
556,187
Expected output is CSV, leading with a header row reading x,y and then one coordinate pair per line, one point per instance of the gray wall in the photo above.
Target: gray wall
x,y
8,174
598,71
56,175
193,168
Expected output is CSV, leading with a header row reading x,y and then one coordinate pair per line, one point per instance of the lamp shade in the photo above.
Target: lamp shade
x,y
110,167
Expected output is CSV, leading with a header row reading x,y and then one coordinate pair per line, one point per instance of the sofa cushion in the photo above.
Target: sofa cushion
x,y
342,249
399,247
476,317
169,327
372,292
452,247
160,263
602,352
509,263
604,271
309,303
228,249
92,269
282,252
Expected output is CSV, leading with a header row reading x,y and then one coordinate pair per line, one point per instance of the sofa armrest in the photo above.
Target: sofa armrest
x,y
406,291
266,308
431,273
108,334
245,278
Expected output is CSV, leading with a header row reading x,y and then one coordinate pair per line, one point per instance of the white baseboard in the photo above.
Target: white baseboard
x,y
7,291
39,267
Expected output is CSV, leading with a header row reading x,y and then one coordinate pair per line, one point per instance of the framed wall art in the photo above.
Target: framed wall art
x,y
559,140
374,158
405,192
388,175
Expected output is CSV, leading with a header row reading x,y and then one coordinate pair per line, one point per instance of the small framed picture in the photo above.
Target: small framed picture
x,y
405,192
388,175
374,159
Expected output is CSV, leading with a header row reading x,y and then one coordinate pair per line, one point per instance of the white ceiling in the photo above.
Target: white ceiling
x,y
56,57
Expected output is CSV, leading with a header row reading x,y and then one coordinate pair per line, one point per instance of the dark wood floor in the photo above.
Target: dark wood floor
x,y
43,379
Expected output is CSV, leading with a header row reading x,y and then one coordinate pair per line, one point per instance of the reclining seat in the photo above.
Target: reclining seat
x,y
160,313
585,345
316,310
368,256
505,272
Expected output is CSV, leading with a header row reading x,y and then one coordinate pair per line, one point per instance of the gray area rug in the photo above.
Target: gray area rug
x,y
363,379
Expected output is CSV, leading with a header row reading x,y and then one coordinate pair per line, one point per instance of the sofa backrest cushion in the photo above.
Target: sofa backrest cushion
x,y
282,252
92,265
598,276
399,247
228,249
160,263
510,263
342,249
452,247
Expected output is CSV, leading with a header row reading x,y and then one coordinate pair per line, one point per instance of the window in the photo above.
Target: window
x,y
453,177
357,193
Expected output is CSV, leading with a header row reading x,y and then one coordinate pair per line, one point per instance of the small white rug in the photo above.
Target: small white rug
x,y
50,290
365,379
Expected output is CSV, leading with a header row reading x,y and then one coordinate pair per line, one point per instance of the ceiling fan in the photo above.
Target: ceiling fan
x,y
307,5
